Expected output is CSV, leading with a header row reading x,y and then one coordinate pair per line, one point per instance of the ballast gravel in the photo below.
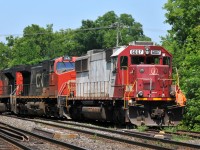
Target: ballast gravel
x,y
91,142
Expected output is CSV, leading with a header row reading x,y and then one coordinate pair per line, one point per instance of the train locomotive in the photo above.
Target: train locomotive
x,y
127,84
34,89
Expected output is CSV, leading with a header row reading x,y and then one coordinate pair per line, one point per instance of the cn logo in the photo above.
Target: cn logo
x,y
39,80
154,71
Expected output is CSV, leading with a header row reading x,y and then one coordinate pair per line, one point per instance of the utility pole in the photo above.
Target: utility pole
x,y
118,25
117,43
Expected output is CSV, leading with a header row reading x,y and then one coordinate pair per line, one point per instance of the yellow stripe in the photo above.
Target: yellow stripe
x,y
142,98
169,99
156,99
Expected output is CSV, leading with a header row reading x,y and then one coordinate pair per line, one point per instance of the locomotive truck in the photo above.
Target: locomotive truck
x,y
127,84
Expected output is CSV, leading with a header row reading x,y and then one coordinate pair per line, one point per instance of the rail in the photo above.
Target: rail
x,y
135,134
51,140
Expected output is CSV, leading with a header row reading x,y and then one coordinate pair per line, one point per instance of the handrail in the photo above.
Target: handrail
x,y
61,89
177,77
92,89
132,88
14,91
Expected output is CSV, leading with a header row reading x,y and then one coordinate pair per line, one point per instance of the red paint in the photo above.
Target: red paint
x,y
140,76
64,82
19,83
1,87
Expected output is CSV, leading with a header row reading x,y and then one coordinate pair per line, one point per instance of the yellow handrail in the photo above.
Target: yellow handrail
x,y
127,83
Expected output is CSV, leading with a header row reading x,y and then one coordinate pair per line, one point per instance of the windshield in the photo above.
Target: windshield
x,y
64,66
142,60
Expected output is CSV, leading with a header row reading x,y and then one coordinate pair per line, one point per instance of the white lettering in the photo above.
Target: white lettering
x,y
136,51
39,80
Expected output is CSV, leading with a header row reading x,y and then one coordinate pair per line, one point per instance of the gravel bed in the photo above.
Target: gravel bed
x,y
83,140
92,142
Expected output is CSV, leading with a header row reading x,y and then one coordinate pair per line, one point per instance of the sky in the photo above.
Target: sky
x,y
15,15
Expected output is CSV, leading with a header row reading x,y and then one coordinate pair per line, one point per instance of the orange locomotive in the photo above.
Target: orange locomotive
x,y
34,90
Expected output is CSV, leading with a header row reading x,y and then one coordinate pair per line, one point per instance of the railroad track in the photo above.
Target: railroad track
x,y
188,133
28,141
146,141
7,144
12,139
125,133
178,132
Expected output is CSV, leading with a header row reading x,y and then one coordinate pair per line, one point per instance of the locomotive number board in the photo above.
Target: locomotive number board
x,y
136,51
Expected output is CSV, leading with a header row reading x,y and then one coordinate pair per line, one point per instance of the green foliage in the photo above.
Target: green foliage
x,y
33,47
192,117
181,138
105,29
183,16
170,129
38,43
183,41
142,128
4,55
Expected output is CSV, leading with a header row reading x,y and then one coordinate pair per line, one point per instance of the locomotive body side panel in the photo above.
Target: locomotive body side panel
x,y
36,81
94,80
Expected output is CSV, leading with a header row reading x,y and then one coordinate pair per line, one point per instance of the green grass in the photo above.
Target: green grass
x,y
170,129
181,138
142,128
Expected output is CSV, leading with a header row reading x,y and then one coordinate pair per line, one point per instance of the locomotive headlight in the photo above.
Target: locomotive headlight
x,y
140,94
147,51
130,102
142,70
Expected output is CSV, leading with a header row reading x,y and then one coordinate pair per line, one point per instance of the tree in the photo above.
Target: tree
x,y
183,42
38,43
64,43
102,33
33,47
4,55
183,16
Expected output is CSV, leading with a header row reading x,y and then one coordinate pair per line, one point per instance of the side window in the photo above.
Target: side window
x,y
114,62
166,61
137,60
81,65
123,62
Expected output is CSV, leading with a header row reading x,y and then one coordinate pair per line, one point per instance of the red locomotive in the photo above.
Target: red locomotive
x,y
127,84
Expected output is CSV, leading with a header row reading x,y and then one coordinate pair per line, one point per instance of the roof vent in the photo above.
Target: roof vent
x,y
145,43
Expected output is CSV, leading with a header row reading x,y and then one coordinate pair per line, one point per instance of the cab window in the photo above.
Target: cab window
x,y
123,62
64,66
152,60
137,60
166,61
